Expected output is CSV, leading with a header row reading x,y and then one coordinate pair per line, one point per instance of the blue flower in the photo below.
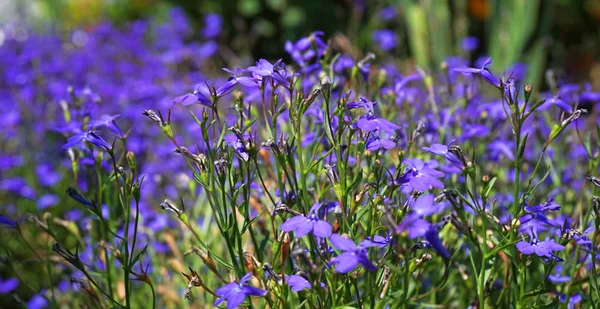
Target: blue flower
x,y
297,283
8,285
235,293
540,248
549,205
90,136
351,255
483,72
421,176
302,225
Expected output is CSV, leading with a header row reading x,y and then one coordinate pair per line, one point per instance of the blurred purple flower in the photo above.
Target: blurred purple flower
x,y
385,39
212,26
297,283
8,285
235,293
6,221
470,43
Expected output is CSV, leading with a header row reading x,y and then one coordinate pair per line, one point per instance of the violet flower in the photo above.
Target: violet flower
x,y
540,248
351,255
8,285
549,205
90,136
420,175
297,283
483,72
370,123
235,293
277,71
302,225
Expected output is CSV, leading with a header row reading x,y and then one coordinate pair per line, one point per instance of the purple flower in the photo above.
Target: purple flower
x,y
238,146
212,26
6,221
8,285
421,176
470,43
442,150
89,136
375,143
369,123
303,225
109,122
540,248
378,241
297,283
549,205
37,302
235,293
351,255
277,71
362,102
414,225
385,39
202,94
434,240
483,72
573,300
557,277
424,205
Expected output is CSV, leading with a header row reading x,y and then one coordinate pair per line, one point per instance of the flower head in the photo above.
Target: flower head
x,y
303,225
235,293
351,256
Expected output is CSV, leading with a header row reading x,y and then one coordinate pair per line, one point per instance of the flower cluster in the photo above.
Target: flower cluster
x,y
337,179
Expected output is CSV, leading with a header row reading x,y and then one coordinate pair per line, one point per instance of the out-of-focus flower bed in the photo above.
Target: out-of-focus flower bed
x,y
135,173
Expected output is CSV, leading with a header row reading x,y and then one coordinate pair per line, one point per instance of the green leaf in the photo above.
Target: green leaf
x,y
138,256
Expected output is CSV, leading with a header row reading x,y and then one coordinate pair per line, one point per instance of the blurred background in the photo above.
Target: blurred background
x,y
544,34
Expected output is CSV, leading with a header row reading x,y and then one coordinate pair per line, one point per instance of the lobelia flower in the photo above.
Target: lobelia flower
x,y
442,150
421,176
414,225
378,241
370,123
235,293
297,283
303,225
470,43
90,136
351,256
573,300
277,71
374,143
385,39
549,205
434,240
202,94
483,72
7,221
8,285
109,122
212,26
540,248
